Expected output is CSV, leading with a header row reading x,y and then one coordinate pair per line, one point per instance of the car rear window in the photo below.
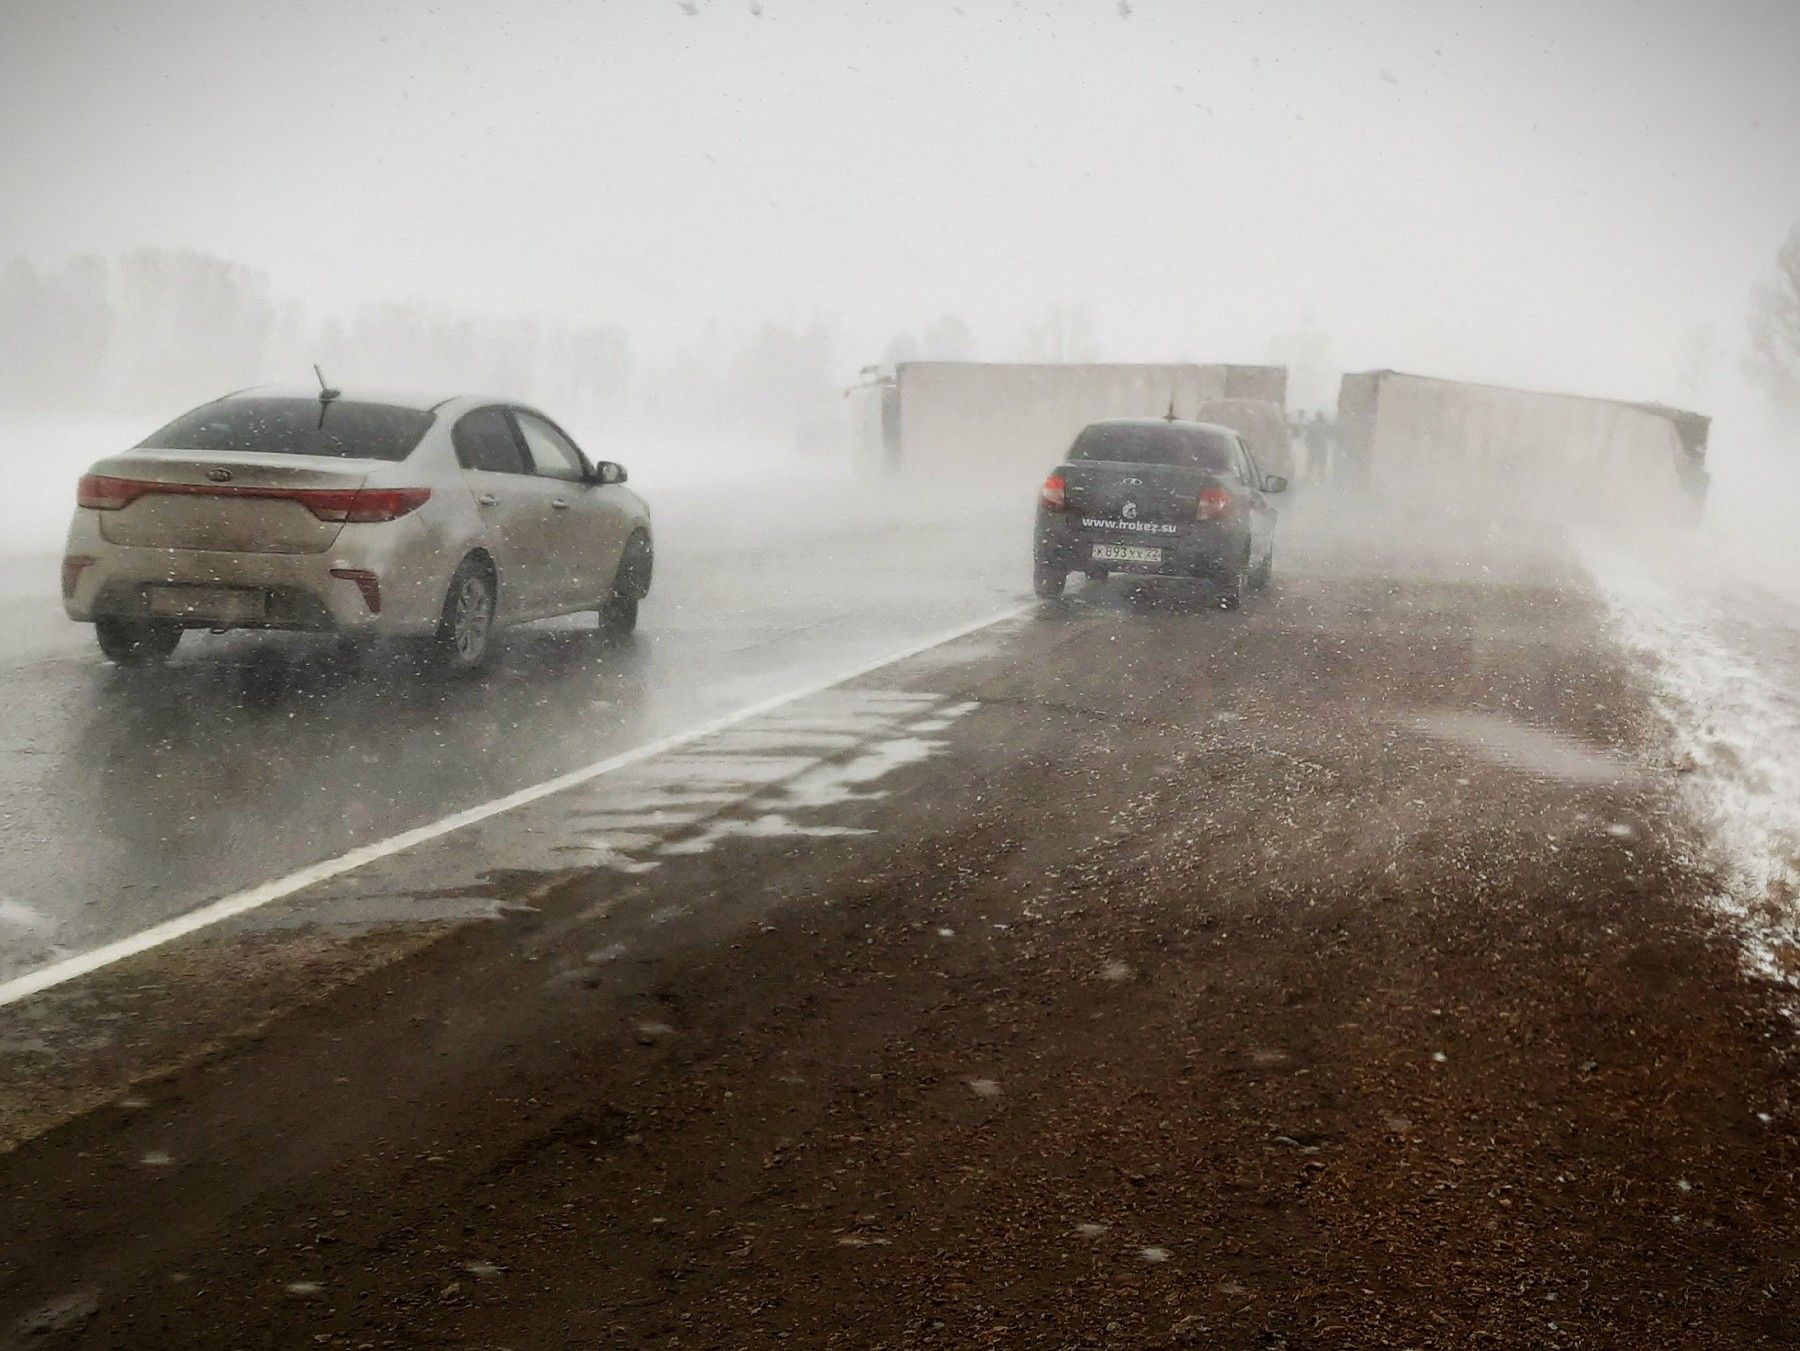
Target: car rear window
x,y
1151,443
345,428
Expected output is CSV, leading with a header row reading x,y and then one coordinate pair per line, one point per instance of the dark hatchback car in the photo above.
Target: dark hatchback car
x,y
1158,498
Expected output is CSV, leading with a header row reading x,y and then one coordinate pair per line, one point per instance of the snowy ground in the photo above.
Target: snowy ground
x,y
1718,616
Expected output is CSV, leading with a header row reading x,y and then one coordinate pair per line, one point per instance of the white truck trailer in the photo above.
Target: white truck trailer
x,y
1451,448
967,418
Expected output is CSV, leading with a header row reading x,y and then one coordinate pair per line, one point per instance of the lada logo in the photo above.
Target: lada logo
x,y
1129,511
219,475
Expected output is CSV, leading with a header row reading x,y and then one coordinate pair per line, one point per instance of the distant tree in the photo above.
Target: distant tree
x,y
780,382
23,303
946,338
949,338
56,333
1063,333
1773,359
185,326
152,328
902,347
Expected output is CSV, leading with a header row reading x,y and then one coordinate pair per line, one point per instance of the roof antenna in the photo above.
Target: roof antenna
x,y
326,395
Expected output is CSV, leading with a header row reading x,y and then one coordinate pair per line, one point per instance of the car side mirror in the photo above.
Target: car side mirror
x,y
606,472
1274,483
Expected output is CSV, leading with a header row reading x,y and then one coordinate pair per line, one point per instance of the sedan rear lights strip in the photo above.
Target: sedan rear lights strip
x,y
352,505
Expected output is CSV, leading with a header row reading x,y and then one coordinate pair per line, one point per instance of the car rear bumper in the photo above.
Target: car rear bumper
x,y
1199,549
248,590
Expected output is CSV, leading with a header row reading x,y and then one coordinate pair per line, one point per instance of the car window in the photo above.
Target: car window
x,y
553,455
343,428
484,440
1153,443
1247,464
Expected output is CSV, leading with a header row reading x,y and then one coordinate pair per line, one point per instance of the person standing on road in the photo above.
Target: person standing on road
x,y
1296,429
1320,441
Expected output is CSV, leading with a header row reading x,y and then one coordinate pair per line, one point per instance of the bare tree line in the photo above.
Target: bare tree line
x,y
1773,359
157,327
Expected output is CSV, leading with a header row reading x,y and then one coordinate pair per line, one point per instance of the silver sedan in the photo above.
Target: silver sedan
x,y
376,515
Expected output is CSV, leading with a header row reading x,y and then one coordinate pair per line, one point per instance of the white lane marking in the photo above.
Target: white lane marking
x,y
228,907
632,825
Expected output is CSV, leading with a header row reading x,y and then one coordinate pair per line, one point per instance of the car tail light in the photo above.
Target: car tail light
x,y
1053,496
108,494
73,566
1213,504
366,582
359,506
356,506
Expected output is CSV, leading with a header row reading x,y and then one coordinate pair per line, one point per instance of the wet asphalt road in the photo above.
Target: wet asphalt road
x,y
1334,973
130,797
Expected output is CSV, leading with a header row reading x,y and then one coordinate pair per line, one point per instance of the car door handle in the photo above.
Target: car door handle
x,y
486,500
559,504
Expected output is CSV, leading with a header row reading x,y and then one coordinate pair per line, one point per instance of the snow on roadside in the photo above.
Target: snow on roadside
x,y
1725,652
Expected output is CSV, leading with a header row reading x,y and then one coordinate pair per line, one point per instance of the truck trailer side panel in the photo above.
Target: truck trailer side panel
x,y
964,417
1456,448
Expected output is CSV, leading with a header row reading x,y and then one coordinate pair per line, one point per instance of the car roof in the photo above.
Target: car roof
x,y
1183,423
422,400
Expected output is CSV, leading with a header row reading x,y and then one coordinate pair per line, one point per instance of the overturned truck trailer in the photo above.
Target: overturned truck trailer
x,y
1454,448
972,417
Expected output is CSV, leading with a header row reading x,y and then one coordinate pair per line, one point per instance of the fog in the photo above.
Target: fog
x,y
1520,194
685,228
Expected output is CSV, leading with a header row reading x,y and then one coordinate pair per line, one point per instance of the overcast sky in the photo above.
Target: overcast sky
x,y
1539,193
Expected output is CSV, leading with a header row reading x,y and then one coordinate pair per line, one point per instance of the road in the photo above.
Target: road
x,y
1346,971
128,799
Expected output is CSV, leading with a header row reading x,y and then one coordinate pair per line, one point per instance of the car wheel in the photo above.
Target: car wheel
x,y
1048,579
465,634
631,583
134,642
618,617
1237,585
636,563
1264,570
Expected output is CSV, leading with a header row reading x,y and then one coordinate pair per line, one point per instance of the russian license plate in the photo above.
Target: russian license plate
x,y
219,604
1126,553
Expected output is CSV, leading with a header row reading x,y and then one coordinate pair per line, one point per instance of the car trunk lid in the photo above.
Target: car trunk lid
x,y
1133,497
237,502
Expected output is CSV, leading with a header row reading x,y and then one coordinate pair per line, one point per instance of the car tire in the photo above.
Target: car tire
x,y
136,642
465,636
1048,579
1237,585
618,617
631,583
636,564
1264,570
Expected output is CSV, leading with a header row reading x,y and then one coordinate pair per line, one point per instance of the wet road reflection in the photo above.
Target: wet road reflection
x,y
131,796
